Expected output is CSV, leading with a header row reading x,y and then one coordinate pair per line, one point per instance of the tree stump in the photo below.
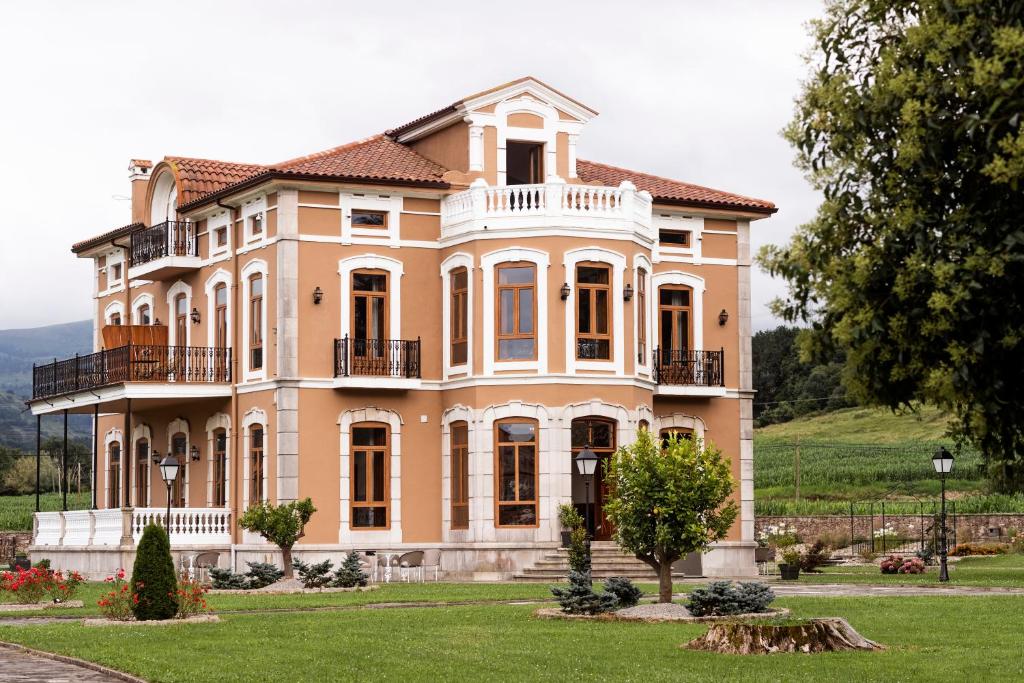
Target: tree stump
x,y
817,635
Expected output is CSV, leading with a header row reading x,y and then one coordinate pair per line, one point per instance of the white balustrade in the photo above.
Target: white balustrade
x,y
49,528
108,527
81,528
77,527
555,203
188,526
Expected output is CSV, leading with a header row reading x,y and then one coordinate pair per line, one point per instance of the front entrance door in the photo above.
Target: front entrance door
x,y
599,434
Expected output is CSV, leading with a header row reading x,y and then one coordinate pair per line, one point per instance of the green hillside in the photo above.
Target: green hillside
x,y
862,426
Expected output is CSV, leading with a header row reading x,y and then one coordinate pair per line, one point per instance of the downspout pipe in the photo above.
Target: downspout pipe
x,y
235,374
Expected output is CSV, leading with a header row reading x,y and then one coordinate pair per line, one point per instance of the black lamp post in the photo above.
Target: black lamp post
x,y
943,463
586,463
169,472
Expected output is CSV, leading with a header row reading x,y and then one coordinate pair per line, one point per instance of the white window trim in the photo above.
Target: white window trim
x,y
395,270
254,417
678,222
112,436
459,413
390,204
116,258
112,308
488,263
142,431
218,421
140,301
457,260
177,288
681,421
257,205
643,365
173,427
548,135
223,277
251,268
213,223
694,282
617,264
345,422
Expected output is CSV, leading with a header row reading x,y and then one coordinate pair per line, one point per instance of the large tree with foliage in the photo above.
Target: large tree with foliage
x,y
665,503
283,525
910,125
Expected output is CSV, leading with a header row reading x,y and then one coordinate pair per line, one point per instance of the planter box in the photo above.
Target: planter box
x,y
566,538
789,572
764,555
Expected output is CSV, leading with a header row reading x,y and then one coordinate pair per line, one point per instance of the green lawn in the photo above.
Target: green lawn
x,y
1006,571
861,425
16,511
928,639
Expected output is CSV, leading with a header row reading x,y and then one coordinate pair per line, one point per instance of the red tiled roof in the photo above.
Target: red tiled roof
x,y
375,158
199,177
143,163
105,237
668,190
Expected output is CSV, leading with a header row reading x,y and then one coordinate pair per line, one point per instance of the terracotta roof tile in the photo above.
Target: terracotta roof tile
x,y
105,237
200,177
375,158
666,189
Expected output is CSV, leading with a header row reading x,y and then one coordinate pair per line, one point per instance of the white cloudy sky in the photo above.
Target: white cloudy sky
x,y
692,90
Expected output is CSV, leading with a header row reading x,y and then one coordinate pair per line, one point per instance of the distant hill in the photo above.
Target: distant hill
x,y
19,349
861,426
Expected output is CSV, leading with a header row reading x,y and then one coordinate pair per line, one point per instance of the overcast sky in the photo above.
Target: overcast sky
x,y
691,90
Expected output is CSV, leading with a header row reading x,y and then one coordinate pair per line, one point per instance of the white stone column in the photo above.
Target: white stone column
x,y
746,389
476,147
572,155
287,323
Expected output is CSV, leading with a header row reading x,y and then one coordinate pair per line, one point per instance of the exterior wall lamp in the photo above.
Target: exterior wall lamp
x,y
194,453
195,316
723,317
565,291
627,293
156,457
318,295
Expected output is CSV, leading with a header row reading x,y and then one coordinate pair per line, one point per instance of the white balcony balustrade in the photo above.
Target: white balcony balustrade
x,y
83,528
554,204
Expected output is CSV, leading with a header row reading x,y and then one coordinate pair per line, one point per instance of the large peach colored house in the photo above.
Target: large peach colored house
x,y
417,330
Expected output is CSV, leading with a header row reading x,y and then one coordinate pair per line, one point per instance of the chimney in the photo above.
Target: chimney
x,y
139,171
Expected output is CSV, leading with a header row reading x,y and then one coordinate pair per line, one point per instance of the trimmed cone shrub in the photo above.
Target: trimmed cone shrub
x,y
580,598
622,588
350,574
579,551
154,584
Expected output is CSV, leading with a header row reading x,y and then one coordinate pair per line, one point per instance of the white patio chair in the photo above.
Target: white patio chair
x,y
411,564
432,560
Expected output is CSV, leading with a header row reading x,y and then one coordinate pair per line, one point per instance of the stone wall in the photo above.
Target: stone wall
x,y
974,527
11,542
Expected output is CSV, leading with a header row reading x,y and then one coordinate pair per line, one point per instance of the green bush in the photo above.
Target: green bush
x,y
350,574
569,517
315,575
817,556
579,551
580,598
153,580
626,593
262,574
722,598
225,579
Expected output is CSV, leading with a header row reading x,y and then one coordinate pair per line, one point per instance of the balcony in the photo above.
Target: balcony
x,y
143,363
688,372
189,527
554,204
377,363
164,251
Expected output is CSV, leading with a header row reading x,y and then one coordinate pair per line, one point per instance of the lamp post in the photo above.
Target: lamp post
x,y
942,461
169,472
586,463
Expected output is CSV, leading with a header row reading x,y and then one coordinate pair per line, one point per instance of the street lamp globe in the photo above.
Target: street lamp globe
x,y
169,469
586,461
942,461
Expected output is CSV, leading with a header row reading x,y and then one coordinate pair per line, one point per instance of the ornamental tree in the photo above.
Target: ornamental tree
x,y
154,584
910,125
283,525
667,503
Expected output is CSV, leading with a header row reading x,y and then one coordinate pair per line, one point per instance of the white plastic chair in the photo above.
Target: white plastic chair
x,y
432,559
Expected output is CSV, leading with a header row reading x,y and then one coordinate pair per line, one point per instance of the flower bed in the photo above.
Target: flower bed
x,y
30,586
897,564
195,619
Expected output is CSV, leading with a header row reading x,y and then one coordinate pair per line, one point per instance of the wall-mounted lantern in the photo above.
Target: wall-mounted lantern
x,y
156,456
723,317
195,316
627,293
318,295
565,291
194,453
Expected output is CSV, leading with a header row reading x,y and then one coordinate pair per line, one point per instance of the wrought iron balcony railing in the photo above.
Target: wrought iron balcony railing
x,y
377,358
170,238
131,363
689,367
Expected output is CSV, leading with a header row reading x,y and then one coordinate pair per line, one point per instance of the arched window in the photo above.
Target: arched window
x,y
370,498
460,316
114,475
142,472
257,462
218,464
516,304
460,475
180,320
641,317
515,472
256,321
179,450
220,316
679,432
675,321
115,319
599,434
143,315
370,323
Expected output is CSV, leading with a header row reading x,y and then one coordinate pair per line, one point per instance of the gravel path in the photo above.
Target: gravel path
x,y
19,666
655,610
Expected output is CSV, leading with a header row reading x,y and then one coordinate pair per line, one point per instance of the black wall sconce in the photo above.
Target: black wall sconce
x,y
194,453
318,295
723,317
627,293
156,456
565,291
195,315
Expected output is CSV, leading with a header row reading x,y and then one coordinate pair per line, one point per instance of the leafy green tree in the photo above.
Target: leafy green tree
x,y
283,525
910,125
153,577
667,503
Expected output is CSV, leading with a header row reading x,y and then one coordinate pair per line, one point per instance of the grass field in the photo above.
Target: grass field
x,y
999,571
863,454
927,639
16,511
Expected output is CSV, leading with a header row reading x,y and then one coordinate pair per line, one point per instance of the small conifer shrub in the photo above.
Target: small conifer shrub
x,y
154,584
350,574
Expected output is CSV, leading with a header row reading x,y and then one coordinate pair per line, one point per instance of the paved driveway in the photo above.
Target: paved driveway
x,y
22,667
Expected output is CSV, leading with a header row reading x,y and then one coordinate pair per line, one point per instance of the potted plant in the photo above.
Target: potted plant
x,y
763,552
790,567
570,518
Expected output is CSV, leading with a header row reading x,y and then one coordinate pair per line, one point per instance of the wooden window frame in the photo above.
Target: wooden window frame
x,y
255,330
114,475
117,273
689,316
459,314
219,452
352,502
687,236
115,319
368,212
178,487
220,236
641,303
220,316
459,454
498,503
591,293
142,473
139,317
665,432
386,295
257,464
516,289
181,320
255,225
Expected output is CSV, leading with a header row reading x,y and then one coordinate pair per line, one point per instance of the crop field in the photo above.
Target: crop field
x,y
16,511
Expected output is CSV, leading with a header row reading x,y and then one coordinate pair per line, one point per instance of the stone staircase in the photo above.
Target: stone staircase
x,y
606,559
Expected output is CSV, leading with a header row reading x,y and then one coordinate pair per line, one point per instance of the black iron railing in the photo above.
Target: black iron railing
x,y
687,366
131,363
377,357
170,238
